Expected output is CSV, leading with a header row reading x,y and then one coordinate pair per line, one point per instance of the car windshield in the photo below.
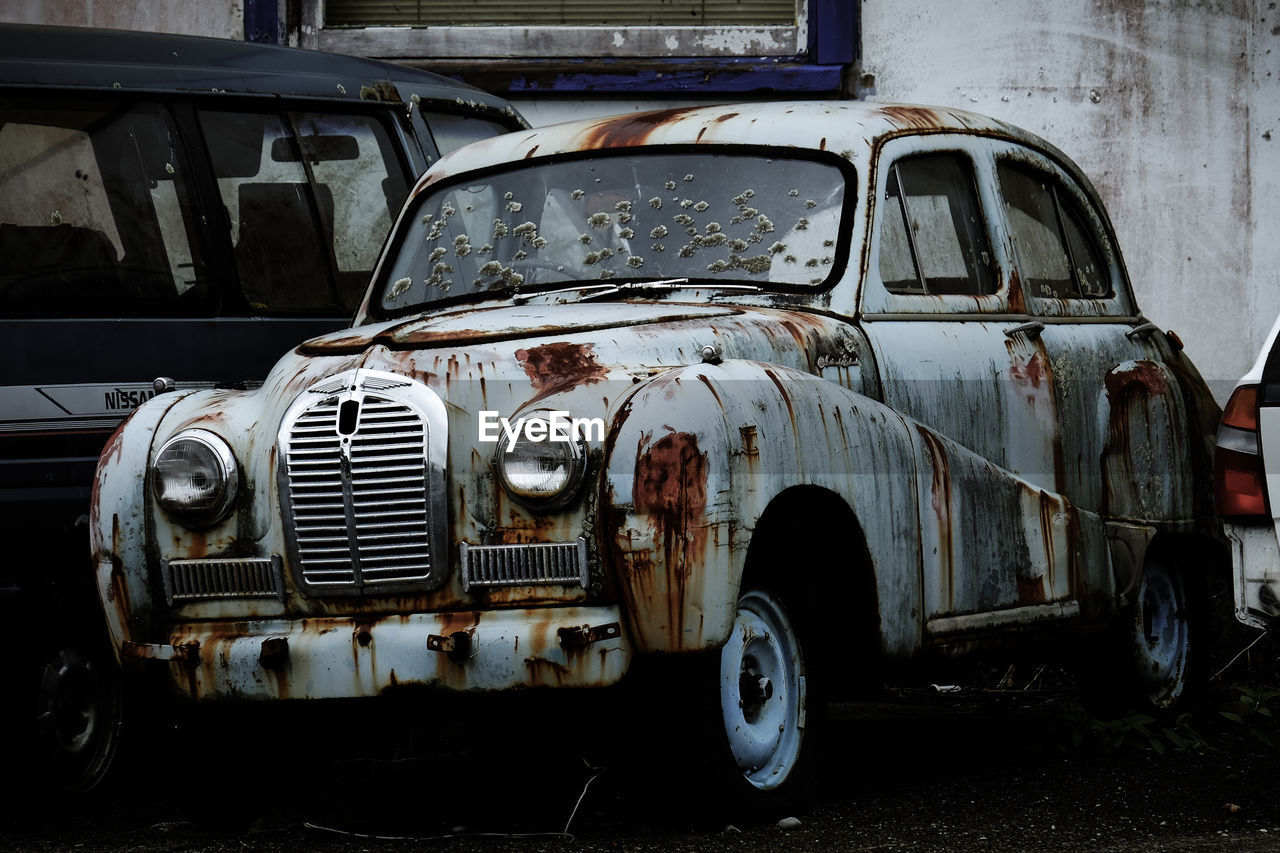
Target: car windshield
x,y
700,216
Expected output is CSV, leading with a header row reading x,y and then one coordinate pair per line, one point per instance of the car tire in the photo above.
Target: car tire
x,y
1152,659
81,719
1165,637
767,709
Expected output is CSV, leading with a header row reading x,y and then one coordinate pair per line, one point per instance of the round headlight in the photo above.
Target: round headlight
x,y
542,473
194,478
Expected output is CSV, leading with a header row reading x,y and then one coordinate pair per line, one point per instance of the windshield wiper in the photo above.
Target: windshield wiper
x,y
661,286
603,290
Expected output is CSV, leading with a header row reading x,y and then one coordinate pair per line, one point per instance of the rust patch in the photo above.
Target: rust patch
x,y
940,502
1144,377
631,130
786,399
910,117
701,133
1031,371
1031,590
560,366
531,152
705,380
671,489
1016,303
546,673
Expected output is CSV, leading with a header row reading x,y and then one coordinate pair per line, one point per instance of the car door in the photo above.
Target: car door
x,y
956,351
1118,408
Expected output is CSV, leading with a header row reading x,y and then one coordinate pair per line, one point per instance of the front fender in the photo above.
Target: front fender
x,y
695,457
118,522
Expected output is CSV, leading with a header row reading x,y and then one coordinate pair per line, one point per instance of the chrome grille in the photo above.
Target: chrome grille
x,y
523,565
198,580
357,487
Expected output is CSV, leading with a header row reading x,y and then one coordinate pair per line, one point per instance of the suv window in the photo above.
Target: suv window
x,y
95,212
934,239
1057,255
338,201
451,131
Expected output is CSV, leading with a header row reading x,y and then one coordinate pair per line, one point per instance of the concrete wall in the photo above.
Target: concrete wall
x,y
221,18
1171,108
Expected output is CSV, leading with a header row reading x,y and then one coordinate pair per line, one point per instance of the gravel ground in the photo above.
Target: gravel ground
x,y
988,770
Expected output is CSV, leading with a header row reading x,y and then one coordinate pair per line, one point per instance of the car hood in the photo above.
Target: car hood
x,y
514,355
469,326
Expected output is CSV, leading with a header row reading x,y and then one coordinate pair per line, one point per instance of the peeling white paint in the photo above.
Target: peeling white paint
x,y
618,39
746,42
673,43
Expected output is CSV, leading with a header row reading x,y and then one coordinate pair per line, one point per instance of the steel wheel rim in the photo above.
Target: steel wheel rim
x,y
762,692
1162,638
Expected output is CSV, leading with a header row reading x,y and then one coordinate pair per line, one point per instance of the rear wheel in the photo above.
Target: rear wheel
x,y
1153,658
1163,637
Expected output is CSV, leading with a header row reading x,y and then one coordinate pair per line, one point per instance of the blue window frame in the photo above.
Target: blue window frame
x,y
810,56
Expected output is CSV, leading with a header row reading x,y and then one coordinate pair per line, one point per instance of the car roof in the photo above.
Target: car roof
x,y
40,57
852,129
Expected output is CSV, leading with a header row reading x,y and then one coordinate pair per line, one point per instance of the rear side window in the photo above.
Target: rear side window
x,y
309,198
96,212
1058,258
933,239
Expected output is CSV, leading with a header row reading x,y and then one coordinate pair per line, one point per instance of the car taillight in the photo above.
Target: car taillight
x,y
1239,482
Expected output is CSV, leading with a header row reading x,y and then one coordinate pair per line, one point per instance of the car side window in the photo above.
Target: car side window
x,y
96,212
933,239
309,198
1058,257
452,130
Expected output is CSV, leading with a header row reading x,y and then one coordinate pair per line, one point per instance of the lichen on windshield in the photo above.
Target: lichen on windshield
x,y
546,225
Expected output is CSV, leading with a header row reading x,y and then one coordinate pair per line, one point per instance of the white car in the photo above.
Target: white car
x,y
1244,477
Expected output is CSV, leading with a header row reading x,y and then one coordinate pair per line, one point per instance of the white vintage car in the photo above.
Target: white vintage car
x,y
796,393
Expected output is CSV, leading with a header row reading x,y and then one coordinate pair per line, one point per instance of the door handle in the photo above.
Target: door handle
x,y
1031,329
1142,330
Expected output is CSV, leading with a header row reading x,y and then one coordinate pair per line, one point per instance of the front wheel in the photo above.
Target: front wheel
x,y
766,704
81,719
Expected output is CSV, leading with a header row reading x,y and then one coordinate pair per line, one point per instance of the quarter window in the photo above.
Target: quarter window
x,y
1058,257
933,239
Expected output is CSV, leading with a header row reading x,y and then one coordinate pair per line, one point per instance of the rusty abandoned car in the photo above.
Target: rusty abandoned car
x,y
798,392
176,206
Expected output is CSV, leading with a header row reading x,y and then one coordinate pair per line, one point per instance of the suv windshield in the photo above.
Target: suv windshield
x,y
656,215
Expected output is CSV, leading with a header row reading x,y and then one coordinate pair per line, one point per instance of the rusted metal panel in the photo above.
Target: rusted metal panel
x,y
336,658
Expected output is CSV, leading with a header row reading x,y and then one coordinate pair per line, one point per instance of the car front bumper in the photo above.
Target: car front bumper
x,y
345,657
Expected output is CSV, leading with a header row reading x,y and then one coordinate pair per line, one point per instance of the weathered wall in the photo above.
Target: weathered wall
x,y
223,18
1166,105
1171,106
